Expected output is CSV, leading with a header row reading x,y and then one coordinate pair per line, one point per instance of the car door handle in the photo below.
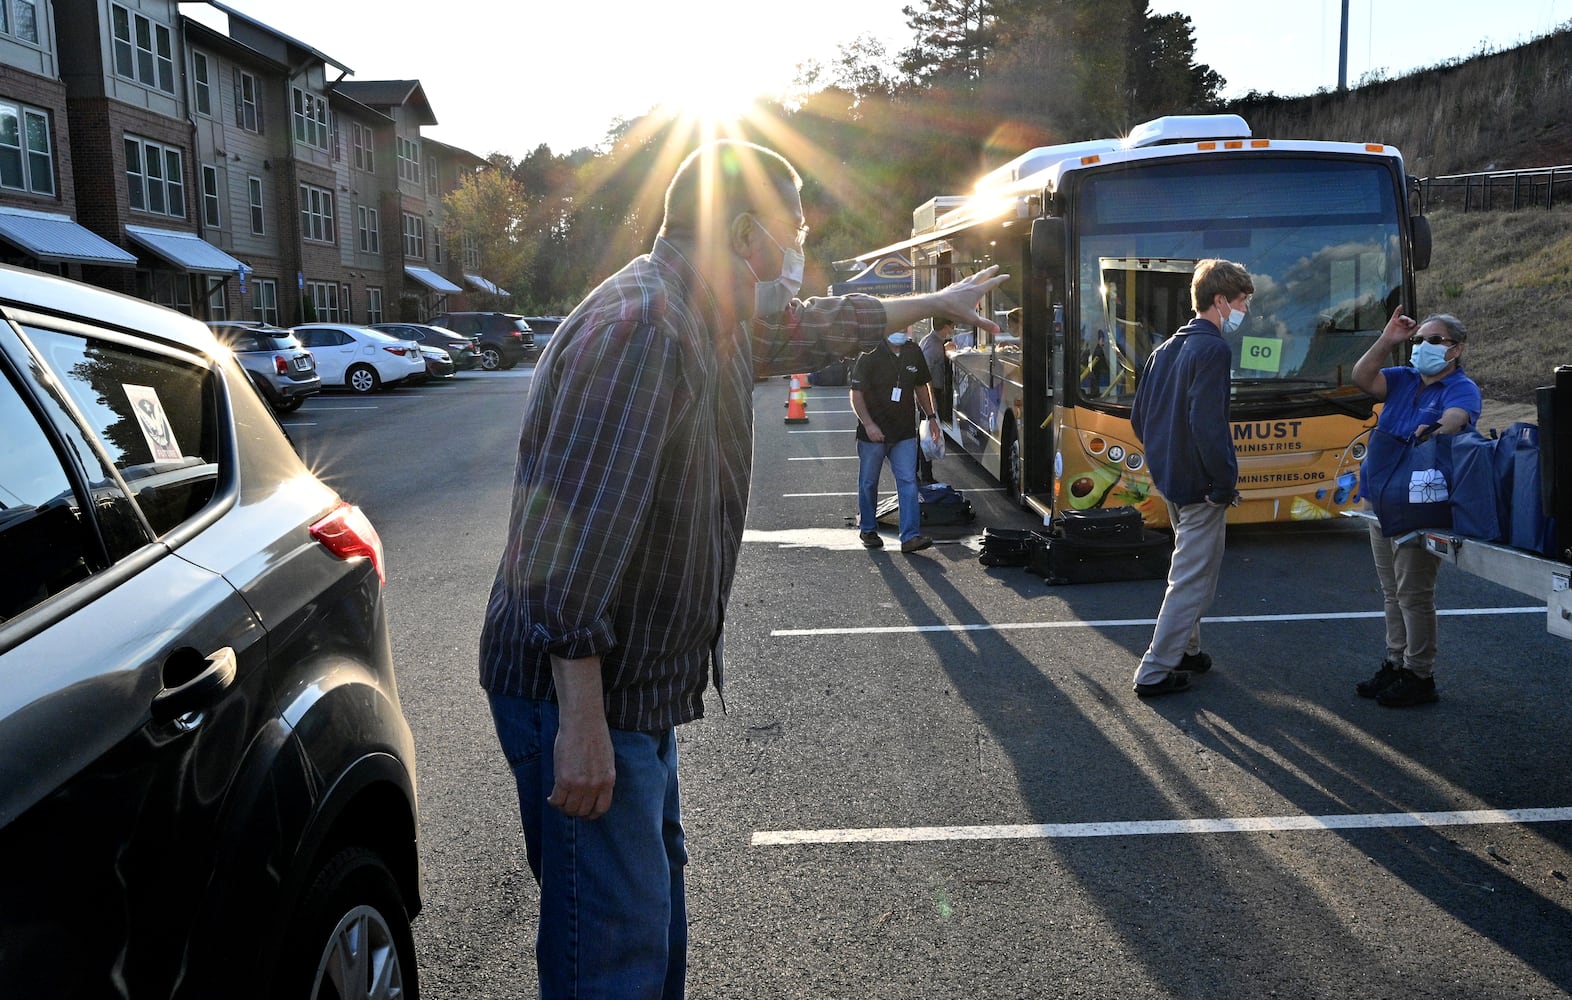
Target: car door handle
x,y
185,695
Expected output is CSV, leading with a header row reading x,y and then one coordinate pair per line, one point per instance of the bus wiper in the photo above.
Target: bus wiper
x,y
1254,382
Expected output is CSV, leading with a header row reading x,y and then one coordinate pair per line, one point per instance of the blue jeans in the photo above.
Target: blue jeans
x,y
613,909
903,465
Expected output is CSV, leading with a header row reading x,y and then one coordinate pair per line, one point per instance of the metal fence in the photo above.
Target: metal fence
x,y
1497,190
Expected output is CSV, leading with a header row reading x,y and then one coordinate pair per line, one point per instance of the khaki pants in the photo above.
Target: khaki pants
x,y
1199,533
1408,587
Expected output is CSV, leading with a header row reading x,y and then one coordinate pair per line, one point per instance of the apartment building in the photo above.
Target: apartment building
x,y
217,166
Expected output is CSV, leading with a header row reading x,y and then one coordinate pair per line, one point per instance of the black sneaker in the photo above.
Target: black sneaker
x,y
1409,689
1195,663
1383,679
871,539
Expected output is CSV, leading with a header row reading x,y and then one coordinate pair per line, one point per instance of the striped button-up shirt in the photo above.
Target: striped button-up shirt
x,y
632,486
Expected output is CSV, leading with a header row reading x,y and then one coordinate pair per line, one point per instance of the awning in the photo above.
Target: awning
x,y
486,286
431,279
55,238
186,251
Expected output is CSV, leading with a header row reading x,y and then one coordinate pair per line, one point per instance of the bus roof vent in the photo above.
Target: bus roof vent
x,y
1184,128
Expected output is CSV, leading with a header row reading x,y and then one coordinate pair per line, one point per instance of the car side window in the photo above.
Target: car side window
x,y
155,415
46,544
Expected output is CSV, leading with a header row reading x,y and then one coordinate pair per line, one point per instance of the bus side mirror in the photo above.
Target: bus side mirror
x,y
1047,244
1420,227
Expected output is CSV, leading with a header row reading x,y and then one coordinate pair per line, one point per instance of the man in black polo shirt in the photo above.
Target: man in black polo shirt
x,y
889,384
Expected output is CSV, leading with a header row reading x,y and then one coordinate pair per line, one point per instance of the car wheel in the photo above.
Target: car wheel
x,y
289,405
490,358
362,378
352,939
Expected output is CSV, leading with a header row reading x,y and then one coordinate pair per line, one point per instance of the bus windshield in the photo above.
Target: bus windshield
x,y
1320,237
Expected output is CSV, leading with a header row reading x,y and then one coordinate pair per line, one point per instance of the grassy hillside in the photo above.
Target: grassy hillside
x,y
1508,277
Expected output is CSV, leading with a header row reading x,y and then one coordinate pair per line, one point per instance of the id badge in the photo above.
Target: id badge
x,y
895,394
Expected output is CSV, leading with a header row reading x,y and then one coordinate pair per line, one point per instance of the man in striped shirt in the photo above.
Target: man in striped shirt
x,y
604,624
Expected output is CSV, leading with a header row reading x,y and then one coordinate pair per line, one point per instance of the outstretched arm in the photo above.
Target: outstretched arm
x,y
958,302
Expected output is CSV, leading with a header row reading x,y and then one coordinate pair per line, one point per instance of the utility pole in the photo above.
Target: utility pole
x,y
1342,53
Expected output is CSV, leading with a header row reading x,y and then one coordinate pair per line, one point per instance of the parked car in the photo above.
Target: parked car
x,y
283,371
360,358
503,339
439,364
544,327
207,783
462,350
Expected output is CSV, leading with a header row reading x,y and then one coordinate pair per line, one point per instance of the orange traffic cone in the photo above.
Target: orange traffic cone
x,y
797,400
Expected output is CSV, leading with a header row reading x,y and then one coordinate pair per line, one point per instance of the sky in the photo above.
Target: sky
x,y
508,75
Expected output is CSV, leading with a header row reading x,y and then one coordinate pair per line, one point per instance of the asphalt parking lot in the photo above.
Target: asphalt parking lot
x,y
929,778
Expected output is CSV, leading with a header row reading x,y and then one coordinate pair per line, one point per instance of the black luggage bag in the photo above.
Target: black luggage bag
x,y
939,504
1101,546
1009,546
1102,524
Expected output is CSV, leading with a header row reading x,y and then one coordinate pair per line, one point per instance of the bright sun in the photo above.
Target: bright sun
x,y
717,99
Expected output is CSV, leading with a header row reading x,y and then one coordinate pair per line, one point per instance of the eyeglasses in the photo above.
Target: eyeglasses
x,y
1416,341
802,228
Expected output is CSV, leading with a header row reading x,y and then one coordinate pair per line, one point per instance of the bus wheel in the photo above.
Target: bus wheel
x,y
1010,469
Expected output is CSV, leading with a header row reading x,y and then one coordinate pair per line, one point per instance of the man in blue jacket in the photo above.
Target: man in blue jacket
x,y
1181,416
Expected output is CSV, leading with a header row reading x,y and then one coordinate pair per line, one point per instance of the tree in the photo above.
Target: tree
x,y
485,214
953,40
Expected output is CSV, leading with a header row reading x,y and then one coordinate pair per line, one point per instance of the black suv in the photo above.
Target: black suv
x,y
502,339
207,784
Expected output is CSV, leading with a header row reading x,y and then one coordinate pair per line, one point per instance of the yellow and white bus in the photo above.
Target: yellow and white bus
x,y
1101,238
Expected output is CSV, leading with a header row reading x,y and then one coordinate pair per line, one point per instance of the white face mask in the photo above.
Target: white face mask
x,y
1430,359
770,298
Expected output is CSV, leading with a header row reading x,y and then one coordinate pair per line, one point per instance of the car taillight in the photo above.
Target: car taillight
x,y
400,351
347,533
281,364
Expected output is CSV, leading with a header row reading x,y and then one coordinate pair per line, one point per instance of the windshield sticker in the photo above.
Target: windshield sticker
x,y
1261,354
150,417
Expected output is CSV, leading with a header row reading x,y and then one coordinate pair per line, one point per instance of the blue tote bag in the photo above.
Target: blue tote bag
x,y
1408,481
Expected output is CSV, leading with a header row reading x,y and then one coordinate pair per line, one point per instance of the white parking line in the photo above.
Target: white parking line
x,y
1144,828
1144,622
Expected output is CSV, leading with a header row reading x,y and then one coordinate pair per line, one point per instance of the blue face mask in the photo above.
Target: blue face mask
x,y
897,339
1430,359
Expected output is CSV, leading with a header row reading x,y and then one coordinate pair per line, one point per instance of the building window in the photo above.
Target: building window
x,y
431,174
217,297
323,295
155,178
248,102
316,213
311,119
25,24
408,160
26,157
143,49
254,193
373,305
414,236
363,144
367,224
264,300
201,84
170,289
436,245
210,216
471,251
343,303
